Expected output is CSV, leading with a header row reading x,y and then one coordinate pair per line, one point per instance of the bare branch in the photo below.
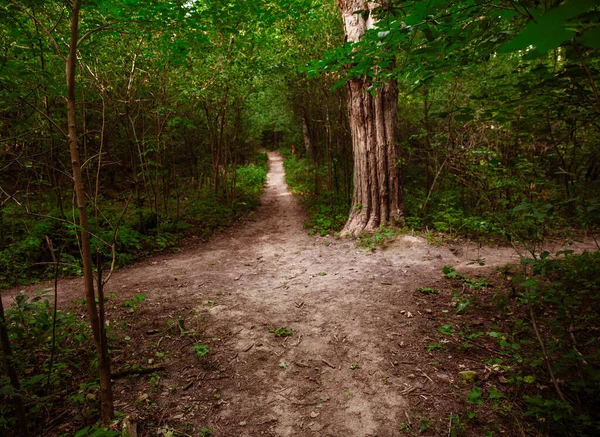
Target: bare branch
x,y
46,31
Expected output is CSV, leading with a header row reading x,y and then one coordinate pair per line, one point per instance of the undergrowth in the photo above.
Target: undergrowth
x,y
539,343
450,213
327,209
137,230
48,381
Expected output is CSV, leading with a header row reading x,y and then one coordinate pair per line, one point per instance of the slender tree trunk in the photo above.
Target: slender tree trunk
x,y
86,255
12,374
86,252
306,134
373,126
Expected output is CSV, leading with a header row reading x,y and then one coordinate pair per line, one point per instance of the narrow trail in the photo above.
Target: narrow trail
x,y
344,370
342,303
352,363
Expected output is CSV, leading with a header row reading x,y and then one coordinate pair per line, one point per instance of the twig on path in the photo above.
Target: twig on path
x,y
328,363
408,390
129,372
426,376
191,383
299,340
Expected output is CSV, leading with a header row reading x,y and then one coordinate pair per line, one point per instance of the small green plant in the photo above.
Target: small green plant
x,y
427,290
201,350
139,298
475,396
281,332
434,347
461,300
205,432
97,431
425,425
446,329
477,283
354,366
371,240
451,273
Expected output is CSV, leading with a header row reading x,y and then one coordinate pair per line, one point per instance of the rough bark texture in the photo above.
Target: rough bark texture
x,y
373,126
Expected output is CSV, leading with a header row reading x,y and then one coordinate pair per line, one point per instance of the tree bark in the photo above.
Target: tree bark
x,y
86,255
86,252
373,127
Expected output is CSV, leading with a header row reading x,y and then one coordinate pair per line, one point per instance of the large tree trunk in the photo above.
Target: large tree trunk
x,y
373,126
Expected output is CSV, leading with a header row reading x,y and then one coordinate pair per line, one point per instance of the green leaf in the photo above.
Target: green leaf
x,y
530,283
450,272
591,38
495,394
201,350
446,329
464,117
549,31
463,305
82,432
474,397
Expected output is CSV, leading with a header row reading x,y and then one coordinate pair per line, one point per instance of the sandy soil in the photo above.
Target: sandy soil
x,y
355,364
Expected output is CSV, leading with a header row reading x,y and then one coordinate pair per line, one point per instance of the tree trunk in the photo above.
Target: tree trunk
x,y
86,255
86,252
373,126
306,134
9,365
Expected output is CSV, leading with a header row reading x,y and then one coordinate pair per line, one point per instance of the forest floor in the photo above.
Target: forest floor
x,y
355,364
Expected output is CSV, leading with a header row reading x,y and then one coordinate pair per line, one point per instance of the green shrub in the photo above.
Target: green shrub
x,y
29,323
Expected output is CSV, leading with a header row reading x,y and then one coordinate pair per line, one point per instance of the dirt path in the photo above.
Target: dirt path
x,y
342,303
350,368
348,359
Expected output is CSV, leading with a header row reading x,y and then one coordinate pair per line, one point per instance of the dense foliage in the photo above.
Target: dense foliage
x,y
176,101
534,333
173,103
498,120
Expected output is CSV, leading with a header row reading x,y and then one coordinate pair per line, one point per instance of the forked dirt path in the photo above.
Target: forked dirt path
x,y
350,368
344,370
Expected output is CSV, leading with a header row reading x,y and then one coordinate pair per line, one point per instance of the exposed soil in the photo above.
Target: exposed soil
x,y
355,365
